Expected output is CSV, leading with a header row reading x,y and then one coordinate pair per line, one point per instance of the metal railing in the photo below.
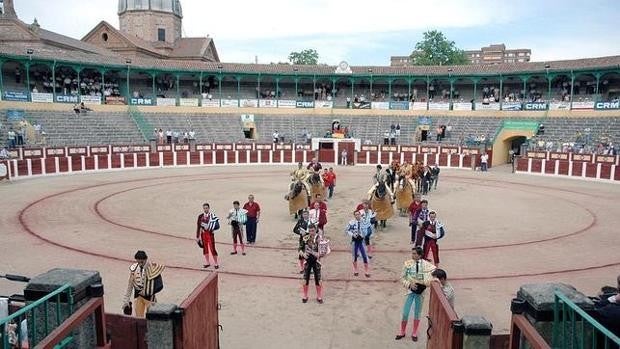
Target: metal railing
x,y
143,125
574,328
36,313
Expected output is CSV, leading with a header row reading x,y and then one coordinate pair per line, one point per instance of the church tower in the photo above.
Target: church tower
x,y
155,21
7,10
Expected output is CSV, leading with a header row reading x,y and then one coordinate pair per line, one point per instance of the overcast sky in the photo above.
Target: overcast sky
x,y
363,32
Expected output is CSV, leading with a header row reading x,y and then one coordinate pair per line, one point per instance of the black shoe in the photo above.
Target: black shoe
x,y
399,337
217,266
320,300
356,274
369,257
206,265
243,253
235,252
414,338
367,275
304,300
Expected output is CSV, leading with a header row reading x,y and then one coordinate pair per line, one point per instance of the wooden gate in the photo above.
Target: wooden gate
x,y
445,330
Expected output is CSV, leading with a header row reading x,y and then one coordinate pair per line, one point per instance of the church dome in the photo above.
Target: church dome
x,y
169,6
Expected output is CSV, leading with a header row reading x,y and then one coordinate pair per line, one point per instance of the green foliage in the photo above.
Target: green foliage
x,y
436,49
305,57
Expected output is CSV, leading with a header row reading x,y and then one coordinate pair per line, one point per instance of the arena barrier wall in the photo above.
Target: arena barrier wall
x,y
199,325
583,166
445,330
30,162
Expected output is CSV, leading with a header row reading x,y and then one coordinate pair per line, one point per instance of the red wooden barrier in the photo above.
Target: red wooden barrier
x,y
520,329
441,322
200,322
126,331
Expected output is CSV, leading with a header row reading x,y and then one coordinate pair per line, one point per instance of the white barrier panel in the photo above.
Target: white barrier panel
x,y
229,103
559,106
167,102
268,103
417,105
248,103
42,97
380,105
438,106
323,104
91,99
188,102
461,106
583,105
211,103
489,106
287,103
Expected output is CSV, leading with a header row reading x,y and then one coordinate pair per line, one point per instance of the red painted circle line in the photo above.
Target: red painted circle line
x,y
23,222
98,212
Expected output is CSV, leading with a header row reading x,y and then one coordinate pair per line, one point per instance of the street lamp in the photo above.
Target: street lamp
x,y
219,85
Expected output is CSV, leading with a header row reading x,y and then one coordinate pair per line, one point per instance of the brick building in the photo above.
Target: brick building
x,y
492,54
497,53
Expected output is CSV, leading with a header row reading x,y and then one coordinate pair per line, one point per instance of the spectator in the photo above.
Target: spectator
x,y
192,134
76,108
398,130
484,162
276,136
4,154
607,309
253,212
446,287
11,136
343,157
169,136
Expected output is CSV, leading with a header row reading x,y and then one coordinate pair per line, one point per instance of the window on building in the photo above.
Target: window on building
x,y
161,34
521,60
521,54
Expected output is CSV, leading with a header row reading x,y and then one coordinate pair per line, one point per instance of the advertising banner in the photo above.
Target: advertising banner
x,y
583,105
115,100
287,103
267,103
417,105
361,105
141,101
461,106
424,120
15,96
380,105
511,106
67,99
247,118
248,103
42,97
211,103
323,104
229,103
490,106
399,105
607,105
87,99
559,106
438,106
304,104
188,102
535,106
167,102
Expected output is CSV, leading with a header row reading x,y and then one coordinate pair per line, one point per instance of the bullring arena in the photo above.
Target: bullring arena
x,y
503,230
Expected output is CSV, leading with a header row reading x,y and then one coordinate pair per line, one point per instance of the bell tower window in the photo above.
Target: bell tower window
x,y
161,34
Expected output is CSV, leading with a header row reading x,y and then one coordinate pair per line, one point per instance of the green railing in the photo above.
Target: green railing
x,y
144,126
574,328
40,319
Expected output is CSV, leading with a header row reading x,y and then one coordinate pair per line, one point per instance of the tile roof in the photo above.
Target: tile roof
x,y
85,55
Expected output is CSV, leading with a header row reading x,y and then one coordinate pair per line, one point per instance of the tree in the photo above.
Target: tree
x,y
436,49
305,57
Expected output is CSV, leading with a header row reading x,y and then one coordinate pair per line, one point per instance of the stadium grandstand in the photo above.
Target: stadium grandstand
x,y
143,96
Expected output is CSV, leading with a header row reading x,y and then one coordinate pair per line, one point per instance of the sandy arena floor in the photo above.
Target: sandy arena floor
x,y
503,230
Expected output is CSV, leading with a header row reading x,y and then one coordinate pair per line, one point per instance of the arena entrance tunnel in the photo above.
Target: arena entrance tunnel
x,y
506,141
